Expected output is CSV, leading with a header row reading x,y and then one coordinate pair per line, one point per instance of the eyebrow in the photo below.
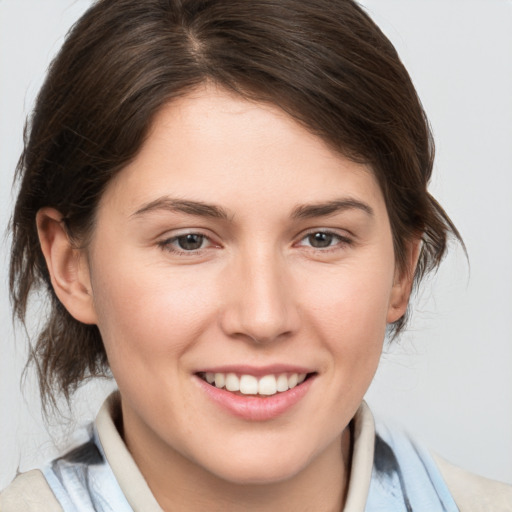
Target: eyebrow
x,y
308,211
197,208
201,209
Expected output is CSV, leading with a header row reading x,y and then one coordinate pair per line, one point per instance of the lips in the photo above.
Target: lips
x,y
257,395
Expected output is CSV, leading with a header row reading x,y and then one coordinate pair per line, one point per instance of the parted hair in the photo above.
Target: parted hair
x,y
324,62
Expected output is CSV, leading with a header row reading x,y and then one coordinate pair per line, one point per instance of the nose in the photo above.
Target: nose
x,y
261,306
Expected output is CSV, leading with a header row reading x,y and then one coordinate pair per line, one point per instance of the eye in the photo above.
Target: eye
x,y
320,239
186,243
190,242
324,240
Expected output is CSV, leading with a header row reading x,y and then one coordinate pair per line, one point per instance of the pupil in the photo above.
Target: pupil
x,y
190,242
320,239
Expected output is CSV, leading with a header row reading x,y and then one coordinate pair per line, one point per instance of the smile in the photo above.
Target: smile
x,y
246,384
261,395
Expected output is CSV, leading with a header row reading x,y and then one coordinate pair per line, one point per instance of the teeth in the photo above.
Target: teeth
x,y
232,382
250,385
267,385
220,380
282,383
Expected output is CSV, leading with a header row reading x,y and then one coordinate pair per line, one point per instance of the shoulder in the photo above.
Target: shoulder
x,y
474,493
404,476
419,471
29,492
79,480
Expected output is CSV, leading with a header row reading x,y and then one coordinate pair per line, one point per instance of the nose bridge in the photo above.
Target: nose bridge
x,y
262,307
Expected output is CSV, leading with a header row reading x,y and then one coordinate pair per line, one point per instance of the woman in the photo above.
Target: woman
x,y
227,203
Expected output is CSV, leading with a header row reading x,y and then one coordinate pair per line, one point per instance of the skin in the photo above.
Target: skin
x,y
256,292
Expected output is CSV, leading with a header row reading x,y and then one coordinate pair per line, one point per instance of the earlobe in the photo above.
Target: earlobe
x,y
402,285
67,266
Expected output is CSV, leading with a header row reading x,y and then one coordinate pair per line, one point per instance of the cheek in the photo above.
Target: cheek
x,y
351,300
146,314
350,314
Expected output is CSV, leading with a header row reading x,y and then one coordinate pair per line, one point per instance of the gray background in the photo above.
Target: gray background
x,y
448,379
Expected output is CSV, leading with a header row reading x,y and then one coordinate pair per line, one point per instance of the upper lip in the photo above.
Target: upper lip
x,y
257,371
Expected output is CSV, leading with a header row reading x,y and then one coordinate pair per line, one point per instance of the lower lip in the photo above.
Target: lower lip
x,y
255,408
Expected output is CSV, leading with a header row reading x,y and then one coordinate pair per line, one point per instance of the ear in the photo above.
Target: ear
x,y
68,268
403,281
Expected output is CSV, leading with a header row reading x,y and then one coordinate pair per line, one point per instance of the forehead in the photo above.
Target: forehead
x,y
217,146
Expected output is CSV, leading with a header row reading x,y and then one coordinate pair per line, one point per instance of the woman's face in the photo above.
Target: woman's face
x,y
238,246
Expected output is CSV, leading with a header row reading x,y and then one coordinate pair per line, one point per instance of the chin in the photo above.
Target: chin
x,y
257,468
256,475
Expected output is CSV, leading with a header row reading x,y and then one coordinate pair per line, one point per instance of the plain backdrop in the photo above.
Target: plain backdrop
x,y
448,379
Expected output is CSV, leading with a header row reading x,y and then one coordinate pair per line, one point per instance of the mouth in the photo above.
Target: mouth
x,y
256,394
251,385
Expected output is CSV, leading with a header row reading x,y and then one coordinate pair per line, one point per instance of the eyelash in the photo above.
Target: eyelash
x,y
167,244
341,241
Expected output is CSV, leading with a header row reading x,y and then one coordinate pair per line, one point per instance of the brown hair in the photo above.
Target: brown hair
x,y
324,62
